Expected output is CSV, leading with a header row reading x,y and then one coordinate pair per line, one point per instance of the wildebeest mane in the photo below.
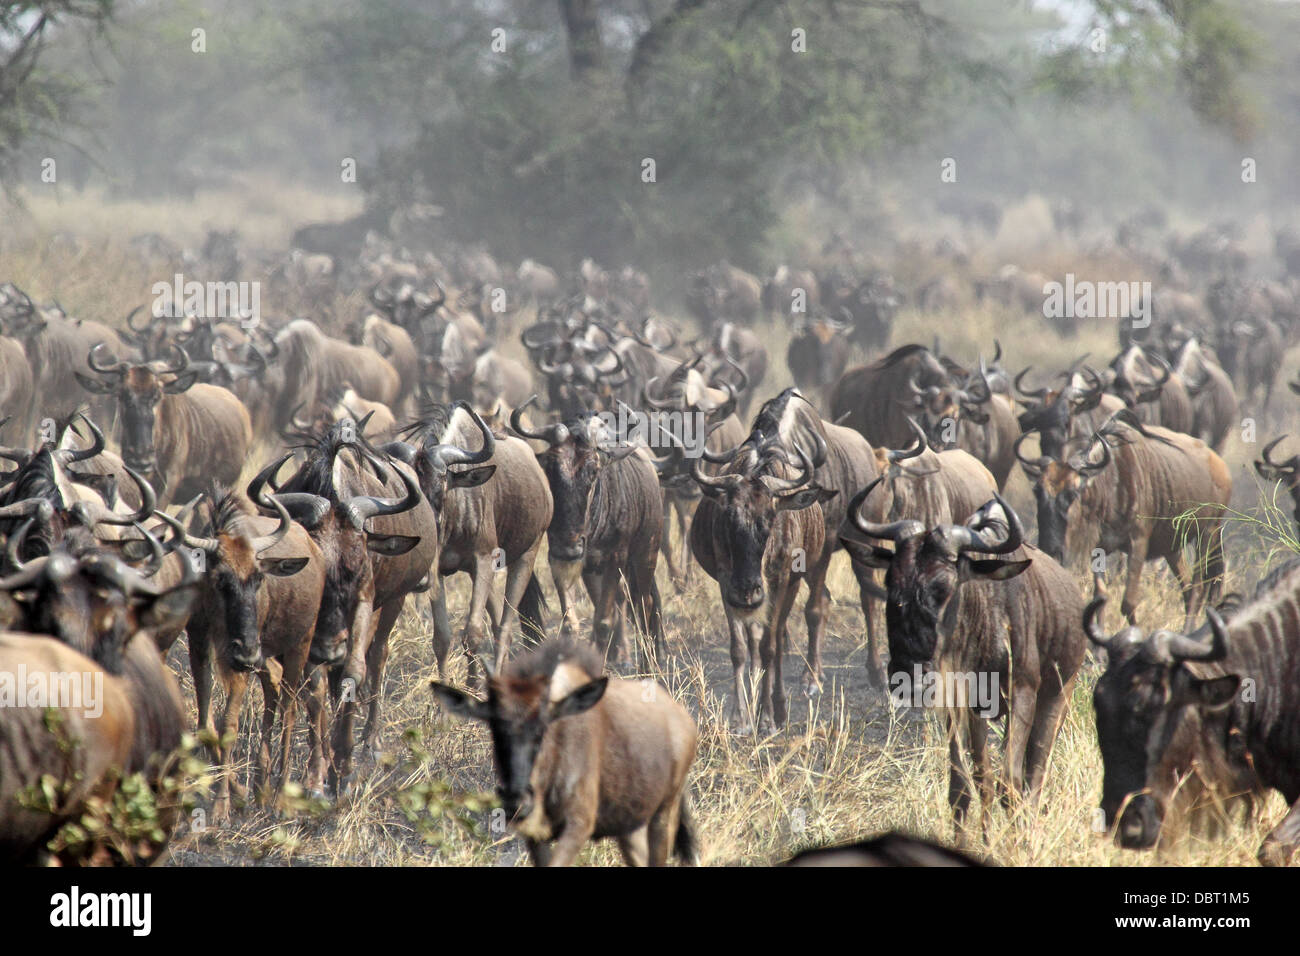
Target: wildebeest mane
x,y
542,660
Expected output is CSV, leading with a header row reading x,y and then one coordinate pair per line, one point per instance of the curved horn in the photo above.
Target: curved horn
x,y
148,502
264,476
972,538
119,368
1184,648
1039,394
893,531
268,541
139,329
1033,467
70,455
916,449
1090,625
710,483
364,507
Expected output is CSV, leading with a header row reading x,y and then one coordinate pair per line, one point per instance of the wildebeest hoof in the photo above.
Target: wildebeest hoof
x,y
812,688
1274,853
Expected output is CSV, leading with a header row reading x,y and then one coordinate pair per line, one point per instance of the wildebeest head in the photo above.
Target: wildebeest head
x,y
747,500
43,488
1140,376
236,565
92,601
1287,471
1157,720
942,406
317,499
1058,485
556,681
926,569
139,390
434,457
1050,411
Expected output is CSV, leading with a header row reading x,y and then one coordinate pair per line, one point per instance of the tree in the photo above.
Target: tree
x,y
35,102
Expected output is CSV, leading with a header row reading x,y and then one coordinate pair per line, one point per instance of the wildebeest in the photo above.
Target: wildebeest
x,y
315,366
368,571
1177,729
1214,401
261,590
958,618
581,756
178,434
1145,383
1286,471
606,527
818,352
1154,494
875,399
491,517
97,613
751,528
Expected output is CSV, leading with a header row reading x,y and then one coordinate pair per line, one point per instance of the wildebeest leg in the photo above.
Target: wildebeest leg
x,y
662,831
201,669
685,511
540,853
376,665
981,766
576,834
1280,845
635,848
605,587
772,708
272,678
740,709
1137,559
472,636
345,686
517,577
646,607
1048,717
228,738
441,624
814,614
666,546
1024,700
959,783
876,675
1189,584
312,689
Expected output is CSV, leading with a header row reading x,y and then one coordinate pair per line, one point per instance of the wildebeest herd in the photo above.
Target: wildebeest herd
x,y
282,487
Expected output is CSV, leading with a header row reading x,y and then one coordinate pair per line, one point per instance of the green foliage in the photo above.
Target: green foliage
x,y
429,803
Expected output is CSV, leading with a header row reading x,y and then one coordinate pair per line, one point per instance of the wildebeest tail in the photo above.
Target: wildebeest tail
x,y
685,845
532,611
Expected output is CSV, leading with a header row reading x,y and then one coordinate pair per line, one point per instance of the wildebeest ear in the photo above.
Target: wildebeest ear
x,y
580,700
181,383
991,569
96,385
1216,693
391,545
281,567
169,608
805,498
135,549
472,478
870,555
460,703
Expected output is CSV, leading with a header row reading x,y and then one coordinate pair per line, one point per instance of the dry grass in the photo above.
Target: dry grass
x,y
847,766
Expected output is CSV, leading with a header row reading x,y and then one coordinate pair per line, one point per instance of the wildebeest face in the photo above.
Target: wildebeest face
x,y
1155,722
1158,723
571,469
1056,491
518,712
742,529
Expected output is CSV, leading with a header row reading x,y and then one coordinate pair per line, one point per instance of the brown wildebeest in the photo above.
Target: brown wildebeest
x,y
580,756
490,517
987,631
1155,495
869,399
1177,731
179,435
1214,401
368,571
606,527
316,366
97,613
1286,471
261,590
